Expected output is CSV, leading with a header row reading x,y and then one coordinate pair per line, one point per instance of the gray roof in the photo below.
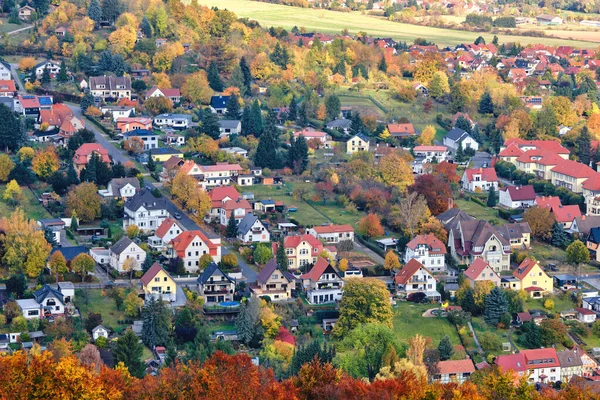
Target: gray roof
x,y
587,222
514,231
339,123
47,291
121,245
246,223
118,183
7,65
8,102
457,135
267,271
110,82
569,358
209,271
174,116
146,199
229,123
452,217
70,252
43,63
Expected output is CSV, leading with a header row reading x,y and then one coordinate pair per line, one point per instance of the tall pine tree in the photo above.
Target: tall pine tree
x,y
584,146
256,119
233,108
281,257
62,74
157,323
491,200
266,151
129,351
559,236
246,121
246,73
445,348
495,306
293,109
232,227
214,79
94,12
210,124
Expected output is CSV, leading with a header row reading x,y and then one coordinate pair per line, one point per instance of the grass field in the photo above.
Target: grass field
x,y
334,22
100,303
6,27
408,321
478,211
548,253
30,205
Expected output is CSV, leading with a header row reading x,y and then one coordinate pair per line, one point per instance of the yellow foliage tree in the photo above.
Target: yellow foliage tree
x,y
196,88
395,171
427,136
25,154
123,40
416,349
391,261
132,231
84,201
13,192
6,166
343,265
269,320
163,59
385,134
189,195
45,163
26,63
52,44
57,263
25,248
93,112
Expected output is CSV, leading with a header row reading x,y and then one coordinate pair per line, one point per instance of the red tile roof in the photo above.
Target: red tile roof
x,y
333,229
520,193
592,183
456,366
317,270
524,316
584,311
511,151
542,157
221,192
7,86
408,271
512,362
476,268
436,246
183,240
487,174
221,166
403,129
294,241
541,354
524,268
164,227
574,169
566,213
430,148
151,273
310,133
240,202
84,152
545,145
549,202
29,102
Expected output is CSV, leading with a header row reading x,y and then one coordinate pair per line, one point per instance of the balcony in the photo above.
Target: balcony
x,y
217,291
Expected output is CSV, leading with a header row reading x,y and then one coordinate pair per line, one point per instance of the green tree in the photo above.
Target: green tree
x,y
468,303
308,353
280,56
232,227
129,351
293,109
460,154
281,257
95,12
247,76
233,108
491,200
495,305
62,74
210,125
256,120
86,101
584,146
438,86
559,236
382,66
364,301
12,134
157,322
111,9
46,76
266,152
132,304
445,348
214,79
479,40
486,106
531,335
146,27
577,253
298,154
247,323
82,264
262,254
545,122
333,107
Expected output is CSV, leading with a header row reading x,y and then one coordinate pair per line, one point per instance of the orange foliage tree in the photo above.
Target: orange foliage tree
x,y
370,226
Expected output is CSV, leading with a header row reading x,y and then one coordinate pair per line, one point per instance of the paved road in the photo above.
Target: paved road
x,y
376,257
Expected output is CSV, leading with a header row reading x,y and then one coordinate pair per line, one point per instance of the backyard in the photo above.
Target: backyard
x,y
409,321
479,212
29,203
98,301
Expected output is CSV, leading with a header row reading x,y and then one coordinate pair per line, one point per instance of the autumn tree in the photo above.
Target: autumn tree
x,y
25,154
25,248
135,144
365,300
540,221
196,88
434,189
411,212
577,253
438,86
57,264
129,266
391,261
416,349
45,163
395,171
427,136
158,105
27,63
6,166
84,201
82,264
189,195
370,226
12,194
90,356
123,40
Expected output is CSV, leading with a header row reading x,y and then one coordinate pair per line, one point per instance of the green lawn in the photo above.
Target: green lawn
x,y
561,303
364,104
103,304
547,253
478,211
480,326
408,321
29,203
335,22
6,27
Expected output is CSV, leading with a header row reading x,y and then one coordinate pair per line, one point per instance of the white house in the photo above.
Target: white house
x,y
456,137
110,87
454,371
332,233
149,138
191,245
175,121
229,127
428,154
479,179
517,196
53,68
586,316
168,230
415,278
172,94
145,211
5,74
121,188
98,332
118,111
537,365
428,250
124,249
251,229
46,302
323,283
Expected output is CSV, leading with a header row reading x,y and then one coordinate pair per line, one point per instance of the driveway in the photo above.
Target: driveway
x,y
376,257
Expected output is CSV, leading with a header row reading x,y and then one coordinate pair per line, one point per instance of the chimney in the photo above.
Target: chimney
x,y
450,203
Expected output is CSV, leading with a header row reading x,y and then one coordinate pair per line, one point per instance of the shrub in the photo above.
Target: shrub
x,y
549,304
580,329
101,342
489,341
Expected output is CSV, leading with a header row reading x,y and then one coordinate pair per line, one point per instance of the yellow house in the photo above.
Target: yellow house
x,y
357,143
157,282
162,154
301,250
272,282
571,174
532,278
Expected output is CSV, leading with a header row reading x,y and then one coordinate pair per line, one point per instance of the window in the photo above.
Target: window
x,y
156,279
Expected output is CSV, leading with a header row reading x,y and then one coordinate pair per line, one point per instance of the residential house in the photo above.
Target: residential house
x,y
125,249
402,130
162,154
323,283
517,196
537,365
174,121
592,243
332,233
571,175
478,239
149,138
219,174
428,250
229,127
110,87
518,234
54,225
428,154
157,283
30,106
415,278
546,19
52,66
145,211
84,154
565,215
532,278
25,12
7,88
273,282
301,250
239,208
215,286
311,134
357,143
480,271
218,196
118,112
191,245
537,162
5,73
46,302
479,179
586,316
236,151
457,137
168,230
128,124
584,224
121,188
218,104
591,193
61,31
98,332
251,230
454,371
172,94
174,139
340,125
570,363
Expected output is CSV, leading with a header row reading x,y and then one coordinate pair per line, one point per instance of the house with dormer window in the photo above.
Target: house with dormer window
x,y
323,283
480,271
413,278
301,250
479,179
537,365
428,250
124,249
191,245
215,286
145,211
273,282
46,302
